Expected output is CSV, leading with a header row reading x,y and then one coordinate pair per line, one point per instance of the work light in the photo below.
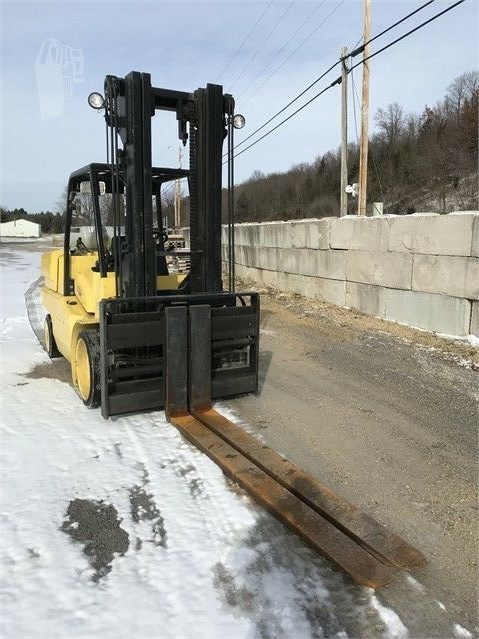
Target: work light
x,y
96,100
239,121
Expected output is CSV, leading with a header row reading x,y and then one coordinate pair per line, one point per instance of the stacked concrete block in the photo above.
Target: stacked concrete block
x,y
421,269
448,275
267,235
366,298
475,238
360,233
328,264
432,234
393,270
439,313
311,234
474,328
332,291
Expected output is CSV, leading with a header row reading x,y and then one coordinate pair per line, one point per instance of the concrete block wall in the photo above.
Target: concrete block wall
x,y
421,269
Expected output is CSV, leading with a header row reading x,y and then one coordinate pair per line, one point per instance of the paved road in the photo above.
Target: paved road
x,y
393,427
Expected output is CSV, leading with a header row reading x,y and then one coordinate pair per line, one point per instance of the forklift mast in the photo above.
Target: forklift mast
x,y
139,346
203,118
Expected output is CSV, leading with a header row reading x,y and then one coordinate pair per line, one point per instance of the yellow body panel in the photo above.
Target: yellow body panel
x,y
90,288
68,318
50,268
169,282
73,313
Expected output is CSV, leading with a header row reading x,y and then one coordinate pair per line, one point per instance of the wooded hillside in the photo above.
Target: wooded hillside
x,y
416,162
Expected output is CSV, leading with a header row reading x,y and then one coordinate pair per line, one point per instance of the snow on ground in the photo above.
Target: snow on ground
x,y
119,529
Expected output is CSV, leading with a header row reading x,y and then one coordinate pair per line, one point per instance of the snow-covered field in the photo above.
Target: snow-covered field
x,y
122,529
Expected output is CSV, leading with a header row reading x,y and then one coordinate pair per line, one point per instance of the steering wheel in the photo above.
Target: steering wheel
x,y
160,236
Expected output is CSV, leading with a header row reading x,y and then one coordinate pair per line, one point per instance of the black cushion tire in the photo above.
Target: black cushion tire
x,y
87,367
50,344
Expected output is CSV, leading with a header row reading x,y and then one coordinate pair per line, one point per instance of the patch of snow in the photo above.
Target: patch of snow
x,y
473,340
222,567
23,240
415,583
264,331
461,632
395,627
441,605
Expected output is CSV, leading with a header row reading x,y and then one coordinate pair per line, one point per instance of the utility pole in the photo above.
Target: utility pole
x,y
363,149
178,194
343,209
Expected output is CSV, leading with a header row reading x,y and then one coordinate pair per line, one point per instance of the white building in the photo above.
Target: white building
x,y
20,228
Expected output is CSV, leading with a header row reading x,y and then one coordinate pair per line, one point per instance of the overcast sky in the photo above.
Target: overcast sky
x,y
54,54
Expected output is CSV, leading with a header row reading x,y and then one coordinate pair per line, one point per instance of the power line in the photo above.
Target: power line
x,y
263,43
330,86
289,103
338,80
171,186
360,49
356,50
239,49
405,35
313,12
315,30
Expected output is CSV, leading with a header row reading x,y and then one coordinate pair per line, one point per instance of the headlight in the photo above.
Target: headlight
x,y
96,100
239,121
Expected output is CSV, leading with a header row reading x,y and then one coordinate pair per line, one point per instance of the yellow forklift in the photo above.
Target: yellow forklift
x,y
140,338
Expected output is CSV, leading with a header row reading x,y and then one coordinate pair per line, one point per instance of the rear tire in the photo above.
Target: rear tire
x,y
50,344
87,367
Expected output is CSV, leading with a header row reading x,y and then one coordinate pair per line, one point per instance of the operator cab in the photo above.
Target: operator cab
x,y
96,225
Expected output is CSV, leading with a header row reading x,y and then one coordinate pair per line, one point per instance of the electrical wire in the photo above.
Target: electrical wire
x,y
171,186
360,49
353,53
315,30
282,16
405,35
338,80
289,103
260,73
330,86
239,49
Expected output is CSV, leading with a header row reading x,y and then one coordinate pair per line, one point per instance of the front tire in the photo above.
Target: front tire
x,y
50,344
87,367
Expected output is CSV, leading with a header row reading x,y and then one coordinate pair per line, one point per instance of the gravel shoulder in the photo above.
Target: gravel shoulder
x,y
389,420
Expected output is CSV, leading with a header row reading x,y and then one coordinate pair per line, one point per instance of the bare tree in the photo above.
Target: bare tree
x,y
461,90
61,203
391,122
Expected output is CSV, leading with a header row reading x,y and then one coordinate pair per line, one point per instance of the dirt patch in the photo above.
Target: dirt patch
x,y
144,508
195,483
236,596
96,525
345,324
59,370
